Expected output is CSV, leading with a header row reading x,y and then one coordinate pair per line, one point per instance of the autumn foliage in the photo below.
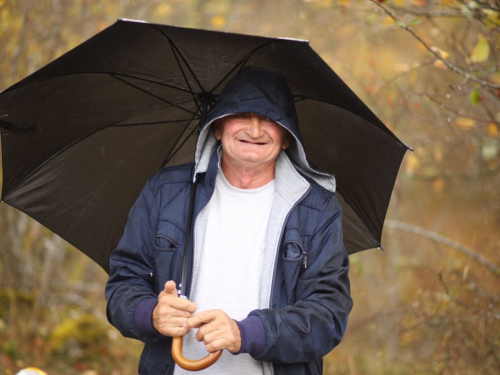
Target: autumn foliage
x,y
430,70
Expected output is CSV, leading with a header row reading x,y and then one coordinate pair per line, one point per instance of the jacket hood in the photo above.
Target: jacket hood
x,y
264,92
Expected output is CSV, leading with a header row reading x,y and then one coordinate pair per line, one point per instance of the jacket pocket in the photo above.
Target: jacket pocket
x,y
166,243
163,243
294,258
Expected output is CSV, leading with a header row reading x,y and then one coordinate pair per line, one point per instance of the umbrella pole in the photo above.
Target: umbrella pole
x,y
177,342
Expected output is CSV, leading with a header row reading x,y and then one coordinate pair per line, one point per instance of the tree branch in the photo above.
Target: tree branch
x,y
450,66
433,236
459,114
431,14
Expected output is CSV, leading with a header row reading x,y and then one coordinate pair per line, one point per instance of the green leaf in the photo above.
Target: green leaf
x,y
475,96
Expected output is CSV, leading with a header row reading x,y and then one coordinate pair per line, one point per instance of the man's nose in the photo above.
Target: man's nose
x,y
255,127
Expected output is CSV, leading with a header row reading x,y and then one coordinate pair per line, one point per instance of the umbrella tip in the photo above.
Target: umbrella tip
x,y
294,39
131,20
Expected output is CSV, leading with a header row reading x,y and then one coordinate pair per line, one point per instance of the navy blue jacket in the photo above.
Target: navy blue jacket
x,y
310,298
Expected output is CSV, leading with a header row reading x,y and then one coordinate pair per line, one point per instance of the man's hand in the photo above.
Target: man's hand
x,y
217,330
172,312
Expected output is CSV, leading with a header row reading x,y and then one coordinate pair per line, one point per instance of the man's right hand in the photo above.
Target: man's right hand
x,y
172,312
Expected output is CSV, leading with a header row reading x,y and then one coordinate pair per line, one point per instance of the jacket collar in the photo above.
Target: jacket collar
x,y
290,184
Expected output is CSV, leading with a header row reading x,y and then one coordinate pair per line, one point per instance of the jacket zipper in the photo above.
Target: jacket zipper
x,y
193,231
304,262
193,244
278,252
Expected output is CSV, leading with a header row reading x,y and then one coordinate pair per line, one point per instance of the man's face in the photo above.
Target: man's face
x,y
250,140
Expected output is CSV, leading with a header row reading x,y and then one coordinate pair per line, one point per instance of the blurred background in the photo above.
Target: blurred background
x,y
428,304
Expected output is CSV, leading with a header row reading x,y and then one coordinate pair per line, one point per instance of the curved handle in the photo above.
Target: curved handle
x,y
189,365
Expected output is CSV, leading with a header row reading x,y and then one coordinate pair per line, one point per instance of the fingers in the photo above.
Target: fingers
x,y
170,288
169,321
169,295
217,330
172,312
220,344
174,327
181,304
202,318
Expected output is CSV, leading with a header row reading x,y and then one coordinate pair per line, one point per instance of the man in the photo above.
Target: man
x,y
269,280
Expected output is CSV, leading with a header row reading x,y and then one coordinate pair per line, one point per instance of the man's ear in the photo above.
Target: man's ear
x,y
216,127
288,140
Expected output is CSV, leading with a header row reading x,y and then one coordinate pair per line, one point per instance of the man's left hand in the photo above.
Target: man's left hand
x,y
217,330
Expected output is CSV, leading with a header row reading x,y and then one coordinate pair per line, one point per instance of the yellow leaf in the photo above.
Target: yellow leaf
x,y
464,122
492,130
440,64
440,52
388,21
218,22
481,51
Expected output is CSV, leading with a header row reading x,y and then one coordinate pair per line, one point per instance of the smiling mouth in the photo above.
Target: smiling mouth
x,y
253,143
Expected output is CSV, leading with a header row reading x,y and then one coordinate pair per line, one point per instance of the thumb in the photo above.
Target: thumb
x,y
170,288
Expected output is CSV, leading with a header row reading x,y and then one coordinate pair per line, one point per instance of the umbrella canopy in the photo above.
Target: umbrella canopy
x,y
81,136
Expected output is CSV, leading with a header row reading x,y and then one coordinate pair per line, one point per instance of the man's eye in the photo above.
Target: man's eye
x,y
240,115
267,119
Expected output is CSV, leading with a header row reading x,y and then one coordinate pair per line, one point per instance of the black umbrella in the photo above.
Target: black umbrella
x,y
81,136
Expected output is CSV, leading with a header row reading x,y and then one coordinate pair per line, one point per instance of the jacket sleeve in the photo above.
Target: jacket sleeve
x,y
131,266
316,322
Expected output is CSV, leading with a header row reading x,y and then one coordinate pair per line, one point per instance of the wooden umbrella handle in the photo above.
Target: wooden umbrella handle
x,y
189,365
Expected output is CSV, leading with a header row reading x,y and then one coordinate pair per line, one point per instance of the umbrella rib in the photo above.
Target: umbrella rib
x,y
177,51
153,123
241,62
172,154
117,123
185,77
172,44
153,95
245,59
19,85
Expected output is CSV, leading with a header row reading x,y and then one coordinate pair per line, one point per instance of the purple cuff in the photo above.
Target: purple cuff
x,y
143,317
253,336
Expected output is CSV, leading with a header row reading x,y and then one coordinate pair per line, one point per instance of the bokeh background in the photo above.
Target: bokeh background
x,y
429,303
